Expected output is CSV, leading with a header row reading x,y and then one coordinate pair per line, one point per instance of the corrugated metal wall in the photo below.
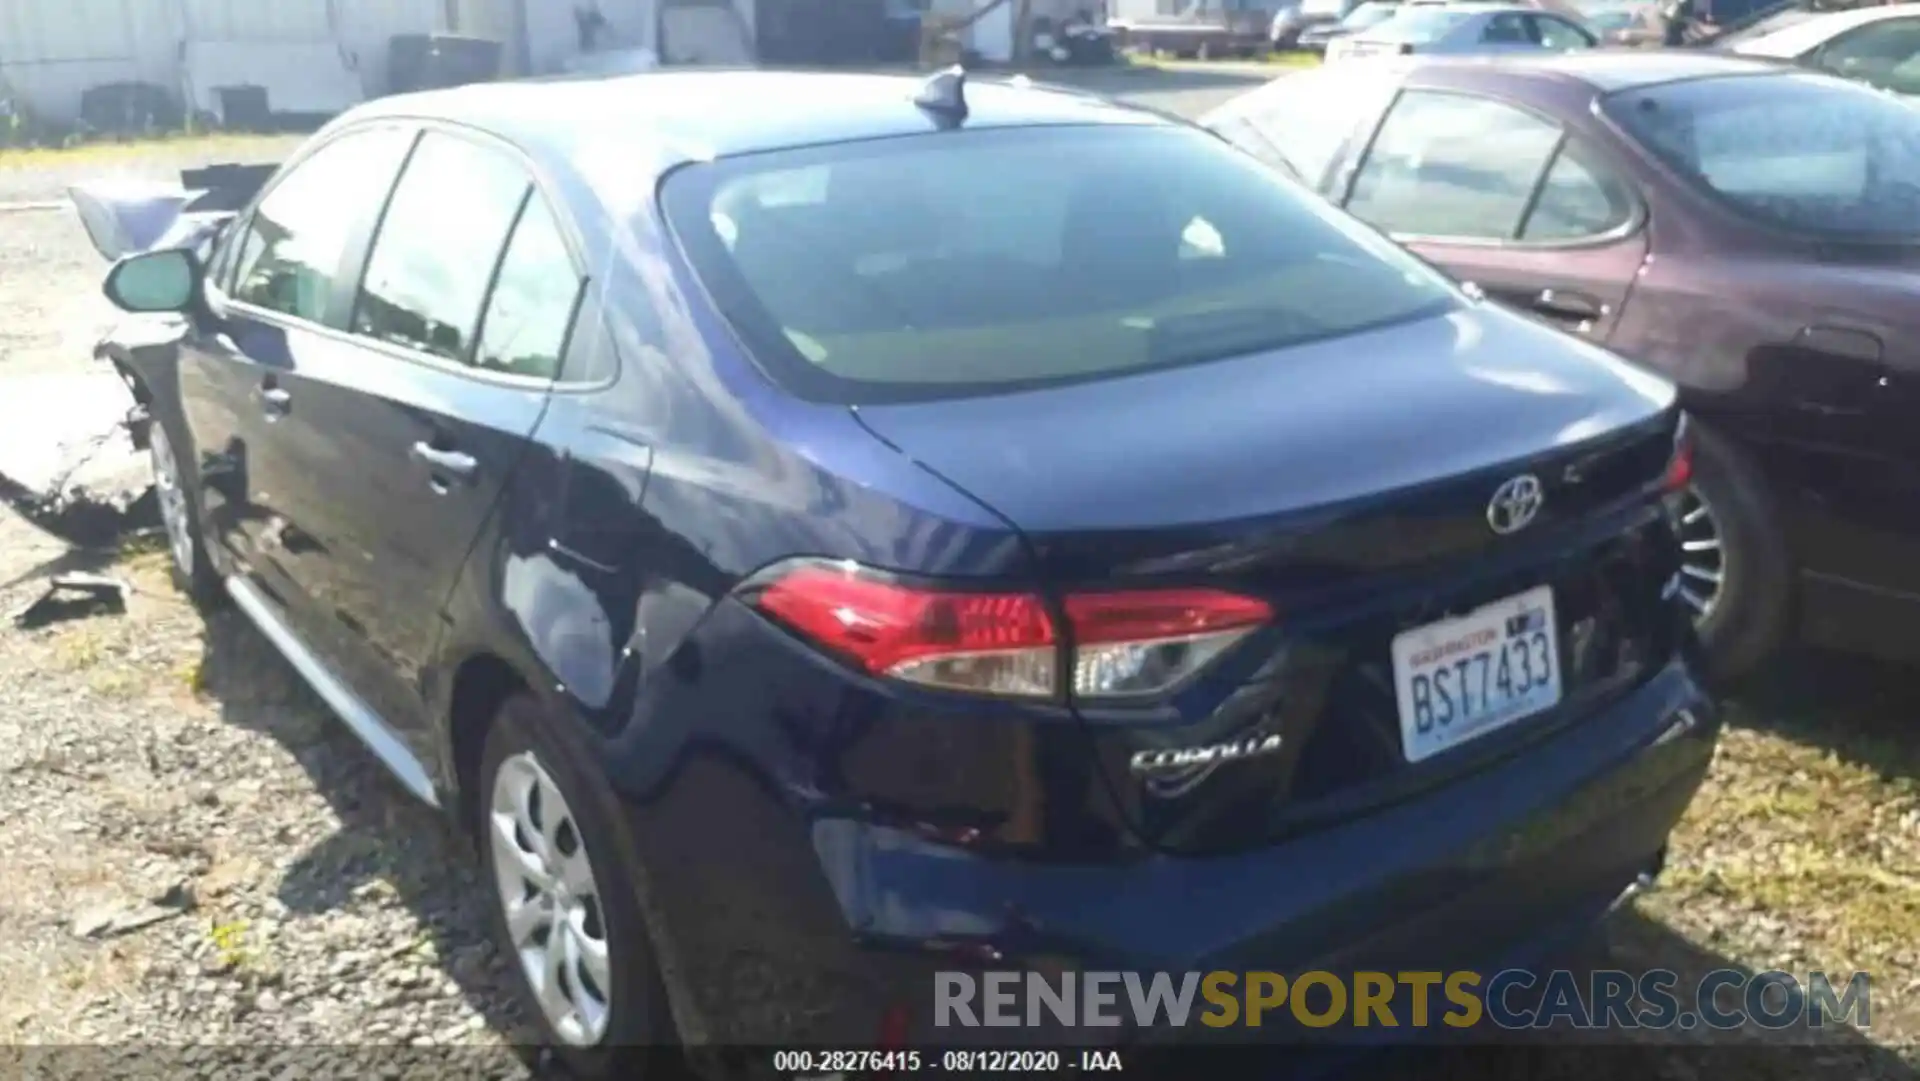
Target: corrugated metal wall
x,y
53,50
366,25
258,20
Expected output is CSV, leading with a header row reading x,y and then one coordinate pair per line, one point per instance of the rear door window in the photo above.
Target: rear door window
x,y
438,246
969,262
1579,198
530,312
1450,165
1305,120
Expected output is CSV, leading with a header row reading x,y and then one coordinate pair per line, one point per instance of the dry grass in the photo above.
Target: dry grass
x,y
1802,851
103,153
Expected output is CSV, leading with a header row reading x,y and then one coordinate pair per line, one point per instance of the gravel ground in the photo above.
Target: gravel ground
x,y
198,854
50,292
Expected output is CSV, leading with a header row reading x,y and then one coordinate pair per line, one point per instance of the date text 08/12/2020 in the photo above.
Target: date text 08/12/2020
x,y
824,1065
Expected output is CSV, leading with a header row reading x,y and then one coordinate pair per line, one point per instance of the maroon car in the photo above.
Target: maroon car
x,y
1752,232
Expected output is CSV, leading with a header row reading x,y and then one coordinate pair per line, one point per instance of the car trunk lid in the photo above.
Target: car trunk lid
x,y
1350,484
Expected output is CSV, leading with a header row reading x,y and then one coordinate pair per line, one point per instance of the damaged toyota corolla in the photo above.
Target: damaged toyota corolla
x,y
819,530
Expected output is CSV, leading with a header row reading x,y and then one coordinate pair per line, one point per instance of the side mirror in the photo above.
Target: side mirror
x,y
154,281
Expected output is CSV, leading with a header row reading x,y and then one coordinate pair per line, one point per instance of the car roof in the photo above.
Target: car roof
x,y
1589,71
709,113
1608,70
1398,27
1789,41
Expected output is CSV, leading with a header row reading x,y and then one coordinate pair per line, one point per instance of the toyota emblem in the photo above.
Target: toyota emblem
x,y
1515,504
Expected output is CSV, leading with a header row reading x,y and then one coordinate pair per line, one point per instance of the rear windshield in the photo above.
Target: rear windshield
x,y
1419,24
976,261
1804,152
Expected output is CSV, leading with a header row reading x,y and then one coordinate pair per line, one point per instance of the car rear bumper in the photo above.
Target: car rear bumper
x,y
789,924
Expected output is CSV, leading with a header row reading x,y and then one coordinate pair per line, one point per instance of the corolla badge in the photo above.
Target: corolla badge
x,y
1515,504
1184,758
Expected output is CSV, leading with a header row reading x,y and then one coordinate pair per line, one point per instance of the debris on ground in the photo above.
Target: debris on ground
x,y
69,460
73,596
114,920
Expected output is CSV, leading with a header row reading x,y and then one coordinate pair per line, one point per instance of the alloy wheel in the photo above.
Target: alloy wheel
x,y
1703,561
551,900
172,497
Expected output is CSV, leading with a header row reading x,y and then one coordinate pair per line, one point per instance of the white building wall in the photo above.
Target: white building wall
x,y
51,51
364,27
551,35
288,21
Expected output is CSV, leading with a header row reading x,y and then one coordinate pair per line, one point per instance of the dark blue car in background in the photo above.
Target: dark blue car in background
x,y
815,532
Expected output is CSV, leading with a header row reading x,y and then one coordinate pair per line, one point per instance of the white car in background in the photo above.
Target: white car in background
x,y
1879,46
1466,29
1625,22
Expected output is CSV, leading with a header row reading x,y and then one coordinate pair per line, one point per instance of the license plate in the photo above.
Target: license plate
x,y
1461,678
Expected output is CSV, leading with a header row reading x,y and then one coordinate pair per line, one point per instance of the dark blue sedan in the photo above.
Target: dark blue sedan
x,y
819,530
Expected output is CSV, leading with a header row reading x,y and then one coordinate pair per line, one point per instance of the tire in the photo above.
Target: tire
x,y
1751,617
177,490
525,751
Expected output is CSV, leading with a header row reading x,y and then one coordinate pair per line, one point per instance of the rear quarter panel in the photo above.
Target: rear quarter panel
x,y
645,501
738,753
1724,307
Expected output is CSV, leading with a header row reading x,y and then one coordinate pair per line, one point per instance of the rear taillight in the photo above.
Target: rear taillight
x,y
1123,644
1679,472
997,643
1142,642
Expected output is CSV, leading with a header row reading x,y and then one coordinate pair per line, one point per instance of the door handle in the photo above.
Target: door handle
x,y
1848,343
1853,362
1568,305
446,464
